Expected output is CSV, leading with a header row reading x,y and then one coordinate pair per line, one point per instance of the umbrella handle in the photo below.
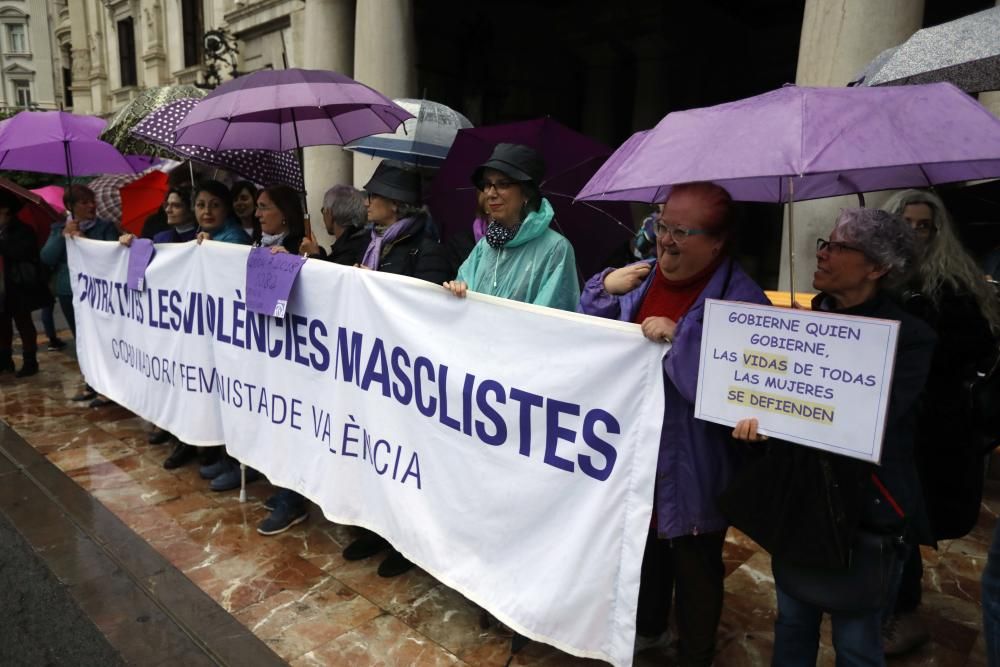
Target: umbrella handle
x,y
791,238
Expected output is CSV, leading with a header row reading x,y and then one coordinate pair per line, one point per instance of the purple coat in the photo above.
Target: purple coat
x,y
697,458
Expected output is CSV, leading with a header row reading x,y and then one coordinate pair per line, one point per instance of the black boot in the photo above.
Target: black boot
x,y
29,367
6,361
182,454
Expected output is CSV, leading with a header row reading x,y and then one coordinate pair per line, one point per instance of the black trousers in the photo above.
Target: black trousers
x,y
690,570
25,328
910,586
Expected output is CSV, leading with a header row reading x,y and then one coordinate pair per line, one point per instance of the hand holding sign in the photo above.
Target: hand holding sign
x,y
269,280
140,254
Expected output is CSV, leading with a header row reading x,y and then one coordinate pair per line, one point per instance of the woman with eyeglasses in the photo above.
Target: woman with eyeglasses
x,y
869,252
519,257
947,291
666,296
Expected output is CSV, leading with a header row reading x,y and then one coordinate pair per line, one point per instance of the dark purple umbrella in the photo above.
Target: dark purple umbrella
x,y
287,109
56,142
595,230
259,166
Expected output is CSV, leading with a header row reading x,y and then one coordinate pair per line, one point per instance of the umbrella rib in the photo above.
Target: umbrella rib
x,y
596,208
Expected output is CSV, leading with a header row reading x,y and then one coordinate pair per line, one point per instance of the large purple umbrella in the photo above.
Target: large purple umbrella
x,y
595,230
287,109
56,142
806,143
259,166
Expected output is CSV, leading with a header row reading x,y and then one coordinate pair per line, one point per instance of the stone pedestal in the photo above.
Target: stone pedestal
x,y
329,44
385,54
839,37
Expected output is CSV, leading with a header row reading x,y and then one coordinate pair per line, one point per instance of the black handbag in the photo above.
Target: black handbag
x,y
863,586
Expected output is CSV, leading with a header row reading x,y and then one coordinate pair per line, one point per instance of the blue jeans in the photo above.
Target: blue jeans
x,y
857,638
991,601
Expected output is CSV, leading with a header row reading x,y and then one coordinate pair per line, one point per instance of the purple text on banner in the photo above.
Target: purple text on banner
x,y
140,254
269,280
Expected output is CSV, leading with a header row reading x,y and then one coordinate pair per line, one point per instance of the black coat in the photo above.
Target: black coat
x,y
24,278
949,455
417,256
349,248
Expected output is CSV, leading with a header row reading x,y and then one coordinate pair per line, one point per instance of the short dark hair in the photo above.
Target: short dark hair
x,y
77,192
240,186
288,202
182,191
216,189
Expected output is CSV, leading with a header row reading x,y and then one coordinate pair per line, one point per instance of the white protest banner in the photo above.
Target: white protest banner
x,y
814,378
507,449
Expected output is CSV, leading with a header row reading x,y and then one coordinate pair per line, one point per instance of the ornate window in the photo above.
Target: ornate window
x,y
17,38
126,52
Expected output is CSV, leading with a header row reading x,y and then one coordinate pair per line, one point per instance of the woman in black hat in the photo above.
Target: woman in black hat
x,y
520,257
399,244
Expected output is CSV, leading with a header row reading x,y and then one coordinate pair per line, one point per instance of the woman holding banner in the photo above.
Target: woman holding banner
x,y
879,509
213,207
947,292
666,297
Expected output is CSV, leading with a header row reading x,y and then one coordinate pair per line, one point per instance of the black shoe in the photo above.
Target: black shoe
x,y
55,345
29,368
209,455
182,454
367,545
88,394
158,437
394,565
230,479
100,402
282,518
272,502
224,464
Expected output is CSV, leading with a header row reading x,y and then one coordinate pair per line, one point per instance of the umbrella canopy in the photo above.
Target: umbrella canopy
x,y
259,166
56,142
53,196
140,199
822,141
35,211
965,52
107,194
287,109
570,159
118,133
423,140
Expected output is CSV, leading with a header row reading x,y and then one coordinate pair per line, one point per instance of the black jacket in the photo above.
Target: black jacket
x,y
349,248
24,278
417,256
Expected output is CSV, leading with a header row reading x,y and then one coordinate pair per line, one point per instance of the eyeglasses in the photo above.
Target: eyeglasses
x,y
264,207
499,186
835,246
678,234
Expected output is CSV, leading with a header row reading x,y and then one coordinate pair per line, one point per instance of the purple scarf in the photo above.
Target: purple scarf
x,y
479,228
373,255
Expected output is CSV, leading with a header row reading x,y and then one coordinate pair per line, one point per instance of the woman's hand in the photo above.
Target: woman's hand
x,y
308,247
626,279
275,249
126,239
746,430
72,228
458,287
659,329
362,266
203,236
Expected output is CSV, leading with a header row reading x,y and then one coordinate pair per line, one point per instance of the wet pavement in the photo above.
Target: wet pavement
x,y
171,573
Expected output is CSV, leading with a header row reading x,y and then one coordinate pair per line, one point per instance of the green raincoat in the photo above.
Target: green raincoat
x,y
536,266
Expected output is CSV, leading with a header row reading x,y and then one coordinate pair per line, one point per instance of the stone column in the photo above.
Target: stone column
x,y
991,99
329,44
385,54
80,48
839,37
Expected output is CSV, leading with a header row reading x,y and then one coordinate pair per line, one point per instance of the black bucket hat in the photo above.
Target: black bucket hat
x,y
520,162
392,182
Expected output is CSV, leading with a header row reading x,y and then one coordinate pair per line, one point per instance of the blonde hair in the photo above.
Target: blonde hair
x,y
944,262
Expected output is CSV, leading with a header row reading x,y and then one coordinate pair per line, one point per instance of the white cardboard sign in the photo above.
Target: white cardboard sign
x,y
810,377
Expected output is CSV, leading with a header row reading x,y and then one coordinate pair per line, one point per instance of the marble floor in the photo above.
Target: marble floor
x,y
303,600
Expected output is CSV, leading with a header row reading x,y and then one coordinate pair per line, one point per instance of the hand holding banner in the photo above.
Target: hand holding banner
x,y
140,254
269,280
814,378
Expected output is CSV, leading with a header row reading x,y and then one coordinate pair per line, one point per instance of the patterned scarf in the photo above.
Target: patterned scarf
x,y
498,236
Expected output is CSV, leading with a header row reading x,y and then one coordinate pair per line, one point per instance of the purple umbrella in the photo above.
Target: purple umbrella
x,y
56,142
259,166
570,159
807,143
287,109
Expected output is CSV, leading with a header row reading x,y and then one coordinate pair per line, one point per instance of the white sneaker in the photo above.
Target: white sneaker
x,y
903,633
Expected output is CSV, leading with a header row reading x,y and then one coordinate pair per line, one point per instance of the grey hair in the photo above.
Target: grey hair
x,y
944,262
883,237
346,205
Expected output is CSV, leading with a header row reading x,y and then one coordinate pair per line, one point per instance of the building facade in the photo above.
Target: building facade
x,y
26,63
